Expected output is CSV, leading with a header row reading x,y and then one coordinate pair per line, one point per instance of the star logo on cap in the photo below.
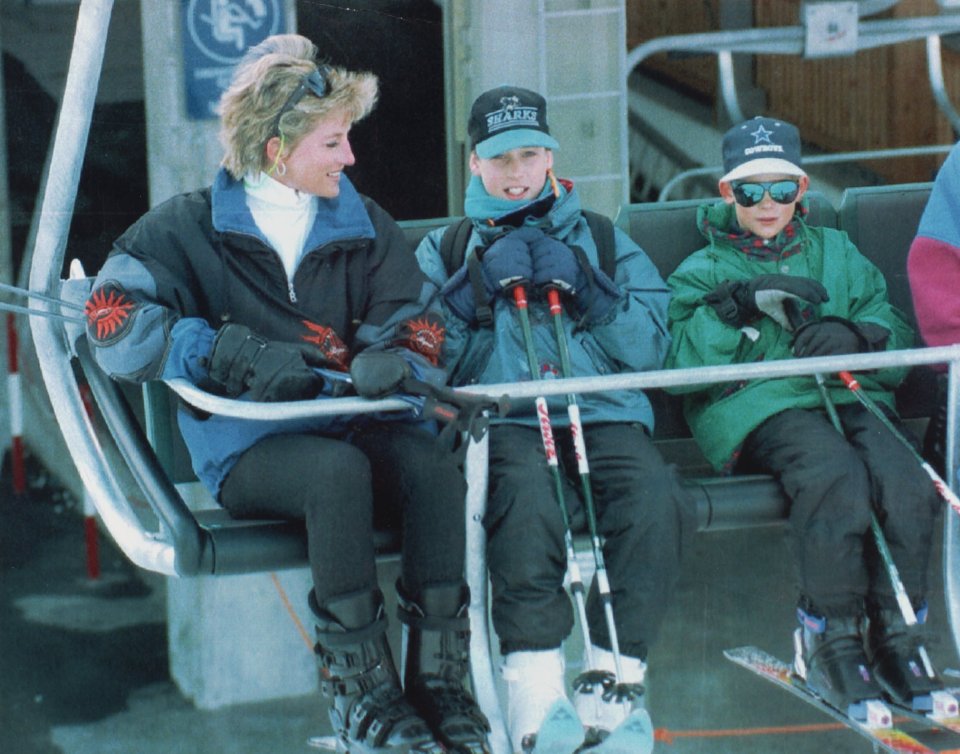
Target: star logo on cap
x,y
761,135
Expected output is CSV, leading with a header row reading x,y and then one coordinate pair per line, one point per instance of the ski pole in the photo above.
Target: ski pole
x,y
26,293
899,591
622,691
550,450
944,491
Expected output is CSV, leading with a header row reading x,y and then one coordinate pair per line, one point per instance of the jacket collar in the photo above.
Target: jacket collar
x,y
339,219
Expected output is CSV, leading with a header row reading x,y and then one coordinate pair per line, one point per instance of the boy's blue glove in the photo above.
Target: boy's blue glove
x,y
503,264
507,260
555,264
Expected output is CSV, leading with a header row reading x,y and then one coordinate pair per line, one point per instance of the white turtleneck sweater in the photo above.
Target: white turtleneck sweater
x,y
283,214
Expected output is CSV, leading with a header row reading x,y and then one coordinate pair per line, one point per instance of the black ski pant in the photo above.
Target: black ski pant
x,y
833,483
387,475
644,516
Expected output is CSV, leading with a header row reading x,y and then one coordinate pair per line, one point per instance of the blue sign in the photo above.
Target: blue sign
x,y
216,34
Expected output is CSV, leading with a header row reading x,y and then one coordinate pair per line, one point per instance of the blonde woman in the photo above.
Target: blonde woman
x,y
244,288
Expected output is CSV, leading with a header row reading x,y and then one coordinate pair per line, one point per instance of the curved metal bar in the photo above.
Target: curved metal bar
x,y
728,85
937,85
482,672
951,527
177,521
626,381
144,548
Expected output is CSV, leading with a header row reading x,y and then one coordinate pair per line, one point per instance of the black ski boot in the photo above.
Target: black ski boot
x,y
368,710
829,656
438,643
899,660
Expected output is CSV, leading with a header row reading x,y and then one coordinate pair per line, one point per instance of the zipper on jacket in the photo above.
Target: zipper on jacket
x,y
291,292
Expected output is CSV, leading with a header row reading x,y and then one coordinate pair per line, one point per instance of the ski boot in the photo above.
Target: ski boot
x,y
601,703
829,656
435,668
535,681
899,660
368,710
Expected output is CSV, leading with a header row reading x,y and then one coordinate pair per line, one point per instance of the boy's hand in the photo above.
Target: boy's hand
x,y
738,301
835,335
508,261
554,263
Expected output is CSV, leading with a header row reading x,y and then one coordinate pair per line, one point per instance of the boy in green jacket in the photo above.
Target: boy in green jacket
x,y
769,286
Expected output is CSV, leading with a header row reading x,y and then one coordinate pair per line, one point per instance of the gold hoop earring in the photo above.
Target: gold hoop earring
x,y
276,162
281,168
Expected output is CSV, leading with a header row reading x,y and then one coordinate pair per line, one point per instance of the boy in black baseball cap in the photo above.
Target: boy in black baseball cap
x,y
526,227
770,286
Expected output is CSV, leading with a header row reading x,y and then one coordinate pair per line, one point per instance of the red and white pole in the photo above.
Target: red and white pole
x,y
89,510
15,403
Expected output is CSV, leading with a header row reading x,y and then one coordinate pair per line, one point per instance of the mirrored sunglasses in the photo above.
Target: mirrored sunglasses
x,y
748,194
315,82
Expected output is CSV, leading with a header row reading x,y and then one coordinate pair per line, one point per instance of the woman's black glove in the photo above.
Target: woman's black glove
x,y
835,335
736,302
377,374
268,370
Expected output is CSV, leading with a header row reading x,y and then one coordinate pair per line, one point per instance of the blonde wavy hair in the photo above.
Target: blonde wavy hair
x,y
262,83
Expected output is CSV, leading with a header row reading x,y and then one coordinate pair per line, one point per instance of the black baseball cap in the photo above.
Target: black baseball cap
x,y
761,145
506,118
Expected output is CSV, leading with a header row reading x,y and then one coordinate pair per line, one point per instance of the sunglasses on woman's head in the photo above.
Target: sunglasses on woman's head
x,y
315,83
748,193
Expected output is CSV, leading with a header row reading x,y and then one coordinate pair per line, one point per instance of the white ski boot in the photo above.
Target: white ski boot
x,y
535,681
596,704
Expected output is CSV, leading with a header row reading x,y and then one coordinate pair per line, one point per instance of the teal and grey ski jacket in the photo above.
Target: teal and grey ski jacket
x,y
633,337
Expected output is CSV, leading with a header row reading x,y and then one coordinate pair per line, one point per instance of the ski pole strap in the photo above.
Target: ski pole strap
x,y
480,298
460,410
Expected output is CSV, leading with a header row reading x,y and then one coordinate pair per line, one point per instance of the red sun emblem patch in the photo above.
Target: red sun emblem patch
x,y
425,336
333,349
107,311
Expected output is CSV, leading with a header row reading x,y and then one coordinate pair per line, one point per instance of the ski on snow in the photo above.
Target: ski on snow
x,y
898,731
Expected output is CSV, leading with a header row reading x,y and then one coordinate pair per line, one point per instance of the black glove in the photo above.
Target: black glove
x,y
738,301
377,374
242,361
835,335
